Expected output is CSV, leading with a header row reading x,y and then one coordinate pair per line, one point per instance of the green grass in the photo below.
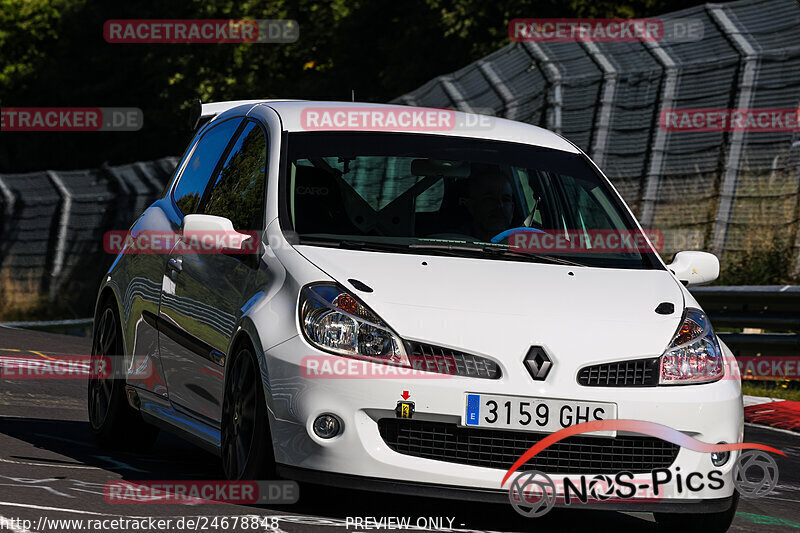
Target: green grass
x,y
785,390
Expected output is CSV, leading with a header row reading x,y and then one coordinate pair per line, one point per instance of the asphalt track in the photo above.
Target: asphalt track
x,y
50,469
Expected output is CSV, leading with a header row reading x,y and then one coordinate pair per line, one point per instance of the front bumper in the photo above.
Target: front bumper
x,y
430,490
711,413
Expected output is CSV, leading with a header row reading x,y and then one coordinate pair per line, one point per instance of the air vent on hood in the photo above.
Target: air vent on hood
x,y
665,308
360,285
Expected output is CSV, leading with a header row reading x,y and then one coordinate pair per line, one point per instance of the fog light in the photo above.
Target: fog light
x,y
720,458
326,426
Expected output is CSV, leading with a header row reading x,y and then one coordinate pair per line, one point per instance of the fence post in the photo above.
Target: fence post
x,y
63,225
501,88
454,94
8,203
554,79
606,104
7,217
744,99
655,168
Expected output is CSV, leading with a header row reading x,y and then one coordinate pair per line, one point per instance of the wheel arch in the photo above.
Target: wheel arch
x,y
106,293
246,332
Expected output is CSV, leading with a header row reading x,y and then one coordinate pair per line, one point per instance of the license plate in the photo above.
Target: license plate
x,y
544,415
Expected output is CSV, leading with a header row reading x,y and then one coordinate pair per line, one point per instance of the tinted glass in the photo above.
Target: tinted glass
x,y
404,191
238,190
205,156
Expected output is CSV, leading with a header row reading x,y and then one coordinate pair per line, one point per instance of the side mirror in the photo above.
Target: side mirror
x,y
214,231
695,268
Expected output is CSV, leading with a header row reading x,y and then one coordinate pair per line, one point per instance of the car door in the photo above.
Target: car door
x,y
203,293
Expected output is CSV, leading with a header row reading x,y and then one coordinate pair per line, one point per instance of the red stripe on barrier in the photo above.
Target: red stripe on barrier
x,y
784,414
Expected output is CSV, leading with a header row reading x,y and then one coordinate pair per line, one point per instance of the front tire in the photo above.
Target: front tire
x,y
114,423
246,441
705,523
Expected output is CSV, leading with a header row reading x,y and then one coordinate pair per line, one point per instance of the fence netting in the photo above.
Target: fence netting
x,y
724,191
52,227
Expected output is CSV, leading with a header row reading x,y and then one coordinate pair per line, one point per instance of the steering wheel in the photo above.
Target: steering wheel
x,y
505,234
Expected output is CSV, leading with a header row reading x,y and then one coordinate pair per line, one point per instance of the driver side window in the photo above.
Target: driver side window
x,y
205,156
237,191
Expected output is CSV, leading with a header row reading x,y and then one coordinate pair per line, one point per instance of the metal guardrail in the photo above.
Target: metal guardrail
x,y
80,327
49,323
773,308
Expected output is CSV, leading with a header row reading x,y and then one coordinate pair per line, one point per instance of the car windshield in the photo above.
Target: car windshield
x,y
456,196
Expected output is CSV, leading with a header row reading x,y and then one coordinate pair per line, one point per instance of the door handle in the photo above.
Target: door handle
x,y
175,263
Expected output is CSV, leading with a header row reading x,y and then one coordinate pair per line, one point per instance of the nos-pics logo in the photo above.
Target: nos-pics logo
x,y
533,493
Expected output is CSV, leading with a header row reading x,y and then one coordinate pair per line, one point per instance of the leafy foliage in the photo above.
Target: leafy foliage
x,y
767,263
52,53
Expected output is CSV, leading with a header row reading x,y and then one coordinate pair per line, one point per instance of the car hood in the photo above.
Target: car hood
x,y
501,308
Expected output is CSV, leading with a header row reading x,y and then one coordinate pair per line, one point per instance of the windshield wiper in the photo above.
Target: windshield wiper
x,y
452,250
537,257
495,251
350,244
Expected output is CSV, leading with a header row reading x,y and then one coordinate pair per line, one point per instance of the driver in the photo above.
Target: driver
x,y
490,202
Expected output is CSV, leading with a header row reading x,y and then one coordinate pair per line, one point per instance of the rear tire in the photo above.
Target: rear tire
x,y
246,441
115,424
699,522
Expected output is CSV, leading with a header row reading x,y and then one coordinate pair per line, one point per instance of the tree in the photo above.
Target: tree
x,y
52,53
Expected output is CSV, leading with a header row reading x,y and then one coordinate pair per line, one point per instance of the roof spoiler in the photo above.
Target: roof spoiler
x,y
203,113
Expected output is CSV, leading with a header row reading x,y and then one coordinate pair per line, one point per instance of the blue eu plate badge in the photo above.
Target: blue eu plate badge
x,y
473,409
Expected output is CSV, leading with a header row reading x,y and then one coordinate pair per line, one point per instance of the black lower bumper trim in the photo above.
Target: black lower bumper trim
x,y
450,492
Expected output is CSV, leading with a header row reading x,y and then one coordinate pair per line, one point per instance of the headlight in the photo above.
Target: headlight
x,y
694,355
335,321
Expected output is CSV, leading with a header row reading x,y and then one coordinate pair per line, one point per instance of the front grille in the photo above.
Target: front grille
x,y
446,361
494,448
633,373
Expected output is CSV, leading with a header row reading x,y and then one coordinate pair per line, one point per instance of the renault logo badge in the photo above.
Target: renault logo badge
x,y
538,363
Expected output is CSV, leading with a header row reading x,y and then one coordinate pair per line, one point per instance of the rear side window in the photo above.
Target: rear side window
x,y
201,165
237,192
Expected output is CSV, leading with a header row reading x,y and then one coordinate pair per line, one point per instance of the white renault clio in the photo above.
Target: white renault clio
x,y
387,332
